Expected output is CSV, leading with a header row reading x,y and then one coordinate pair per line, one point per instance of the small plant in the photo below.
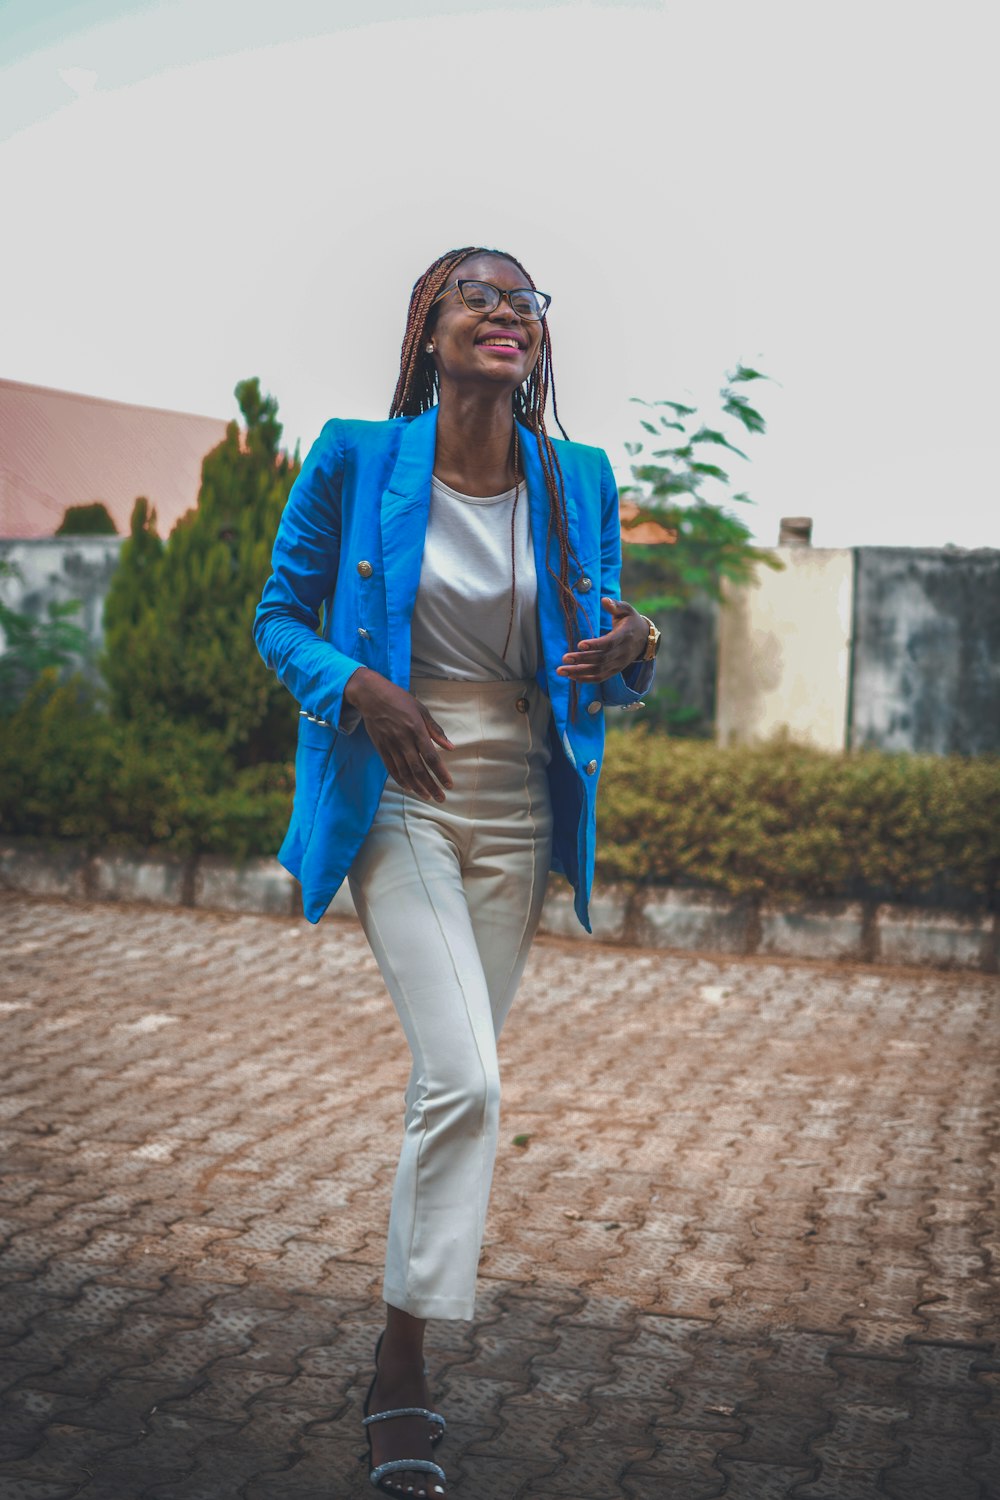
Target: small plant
x,y
668,503
31,645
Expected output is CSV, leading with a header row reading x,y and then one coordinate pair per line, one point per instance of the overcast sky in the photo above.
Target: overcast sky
x,y
201,190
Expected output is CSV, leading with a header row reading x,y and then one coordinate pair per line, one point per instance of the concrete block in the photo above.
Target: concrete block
x,y
38,871
608,906
161,880
816,929
928,937
252,885
699,920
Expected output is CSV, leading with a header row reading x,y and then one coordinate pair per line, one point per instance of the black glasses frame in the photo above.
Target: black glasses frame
x,y
501,294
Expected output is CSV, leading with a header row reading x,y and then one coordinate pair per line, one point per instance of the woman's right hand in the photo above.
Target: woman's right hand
x,y
403,733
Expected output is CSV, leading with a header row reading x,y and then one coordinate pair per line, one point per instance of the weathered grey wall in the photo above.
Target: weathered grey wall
x,y
685,666
927,650
56,569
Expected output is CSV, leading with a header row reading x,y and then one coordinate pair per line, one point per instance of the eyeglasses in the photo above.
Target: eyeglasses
x,y
484,297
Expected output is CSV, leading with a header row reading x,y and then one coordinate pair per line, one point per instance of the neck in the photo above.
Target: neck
x,y
474,441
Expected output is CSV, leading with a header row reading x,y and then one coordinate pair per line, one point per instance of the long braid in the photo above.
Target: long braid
x,y
416,392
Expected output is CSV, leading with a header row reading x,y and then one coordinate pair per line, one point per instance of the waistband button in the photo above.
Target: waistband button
x,y
521,705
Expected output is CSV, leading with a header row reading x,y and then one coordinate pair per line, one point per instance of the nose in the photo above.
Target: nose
x,y
505,311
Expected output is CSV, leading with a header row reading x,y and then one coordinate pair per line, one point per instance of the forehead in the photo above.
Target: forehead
x,y
503,273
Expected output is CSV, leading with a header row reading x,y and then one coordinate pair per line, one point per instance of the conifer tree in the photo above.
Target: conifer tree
x,y
179,614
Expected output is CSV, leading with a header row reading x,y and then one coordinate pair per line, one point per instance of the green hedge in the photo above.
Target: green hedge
x,y
784,820
776,819
67,771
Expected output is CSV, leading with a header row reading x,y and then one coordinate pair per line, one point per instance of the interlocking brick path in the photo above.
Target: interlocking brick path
x,y
744,1248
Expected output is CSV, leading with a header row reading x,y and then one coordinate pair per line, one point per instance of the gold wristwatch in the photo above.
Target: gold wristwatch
x,y
652,641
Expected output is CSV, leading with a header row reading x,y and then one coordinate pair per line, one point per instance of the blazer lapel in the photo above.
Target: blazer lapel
x,y
405,507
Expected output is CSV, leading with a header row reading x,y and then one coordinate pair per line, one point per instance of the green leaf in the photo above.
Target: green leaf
x,y
744,372
710,435
677,406
735,405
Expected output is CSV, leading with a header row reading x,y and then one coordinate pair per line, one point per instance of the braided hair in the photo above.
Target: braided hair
x,y
416,392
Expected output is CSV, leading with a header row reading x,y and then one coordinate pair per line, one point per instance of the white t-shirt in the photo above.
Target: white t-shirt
x,y
462,610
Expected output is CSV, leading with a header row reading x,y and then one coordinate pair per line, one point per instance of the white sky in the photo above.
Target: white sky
x,y
798,184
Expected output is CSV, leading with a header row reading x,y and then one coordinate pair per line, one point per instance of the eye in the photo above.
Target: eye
x,y
525,304
476,296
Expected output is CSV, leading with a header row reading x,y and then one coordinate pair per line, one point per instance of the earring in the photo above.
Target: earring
x,y
430,348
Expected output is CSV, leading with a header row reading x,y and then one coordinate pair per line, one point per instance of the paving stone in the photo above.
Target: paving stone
x,y
743,1250
684,1463
759,1481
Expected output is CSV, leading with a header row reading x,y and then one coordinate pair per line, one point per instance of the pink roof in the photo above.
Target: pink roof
x,y
59,448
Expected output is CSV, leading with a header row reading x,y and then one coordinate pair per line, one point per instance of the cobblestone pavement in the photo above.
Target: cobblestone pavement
x,y
741,1238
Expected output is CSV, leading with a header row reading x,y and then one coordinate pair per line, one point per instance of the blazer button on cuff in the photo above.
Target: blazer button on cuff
x,y
365,569
590,767
595,707
521,705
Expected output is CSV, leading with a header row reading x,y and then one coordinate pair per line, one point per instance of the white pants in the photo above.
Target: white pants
x,y
449,895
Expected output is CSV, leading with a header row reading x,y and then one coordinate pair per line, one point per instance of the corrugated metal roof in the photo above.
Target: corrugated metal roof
x,y
60,448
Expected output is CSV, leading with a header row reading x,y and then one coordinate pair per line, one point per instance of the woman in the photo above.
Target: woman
x,y
450,740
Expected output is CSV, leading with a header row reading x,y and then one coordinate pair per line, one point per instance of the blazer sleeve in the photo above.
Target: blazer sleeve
x,y
304,563
628,687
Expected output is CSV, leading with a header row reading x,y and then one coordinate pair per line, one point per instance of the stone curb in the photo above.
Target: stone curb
x,y
641,916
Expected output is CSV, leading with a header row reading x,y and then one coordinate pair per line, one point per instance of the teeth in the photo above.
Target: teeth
x,y
502,343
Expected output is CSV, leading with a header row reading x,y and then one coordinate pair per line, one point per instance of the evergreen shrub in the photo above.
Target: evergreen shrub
x,y
92,519
67,771
776,820
781,819
178,619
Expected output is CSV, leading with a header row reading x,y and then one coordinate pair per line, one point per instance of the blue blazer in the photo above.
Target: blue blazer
x,y
345,570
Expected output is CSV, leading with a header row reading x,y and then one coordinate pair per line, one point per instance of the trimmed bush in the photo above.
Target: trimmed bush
x,y
776,820
93,519
69,772
784,820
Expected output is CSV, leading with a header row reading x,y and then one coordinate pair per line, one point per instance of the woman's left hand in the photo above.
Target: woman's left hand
x,y
606,655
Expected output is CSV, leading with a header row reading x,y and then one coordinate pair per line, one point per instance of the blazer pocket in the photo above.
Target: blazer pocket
x,y
312,759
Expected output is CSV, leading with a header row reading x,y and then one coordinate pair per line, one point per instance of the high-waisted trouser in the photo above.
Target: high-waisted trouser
x,y
449,895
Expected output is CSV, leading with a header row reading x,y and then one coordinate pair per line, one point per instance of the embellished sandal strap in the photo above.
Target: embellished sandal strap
x,y
403,1411
397,1465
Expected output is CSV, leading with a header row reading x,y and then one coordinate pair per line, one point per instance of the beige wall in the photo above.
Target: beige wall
x,y
785,650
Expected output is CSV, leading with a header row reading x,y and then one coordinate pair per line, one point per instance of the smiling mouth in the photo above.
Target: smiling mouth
x,y
499,342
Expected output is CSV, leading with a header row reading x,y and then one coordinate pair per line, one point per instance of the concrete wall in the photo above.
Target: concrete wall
x,y
685,668
56,569
785,651
927,652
